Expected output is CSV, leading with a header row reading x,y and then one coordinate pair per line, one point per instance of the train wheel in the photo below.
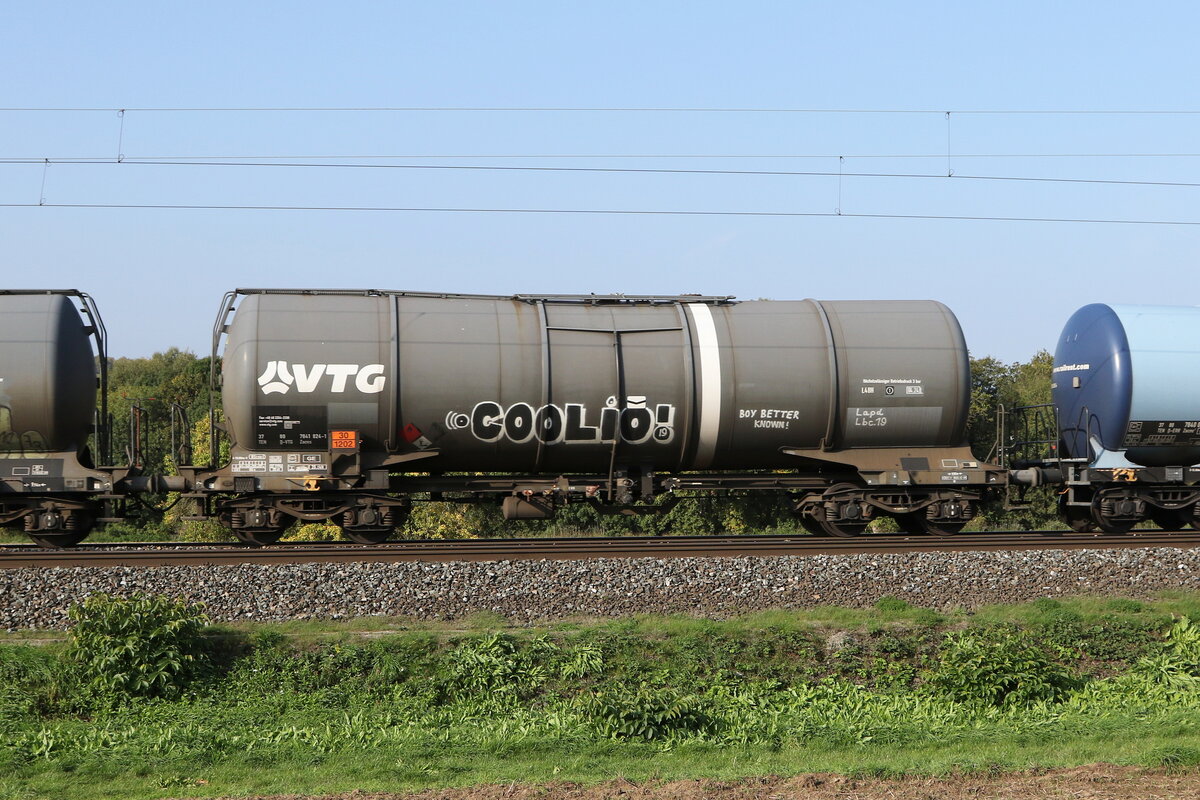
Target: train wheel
x,y
56,540
1110,525
1116,514
843,527
255,526
1115,525
843,517
59,528
259,537
363,536
807,521
1171,519
948,518
942,527
918,523
371,524
1078,518
805,512
812,526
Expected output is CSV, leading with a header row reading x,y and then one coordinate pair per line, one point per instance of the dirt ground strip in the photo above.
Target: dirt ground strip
x,y
1092,782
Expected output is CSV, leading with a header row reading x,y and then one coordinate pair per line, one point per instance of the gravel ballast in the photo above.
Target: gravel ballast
x,y
531,591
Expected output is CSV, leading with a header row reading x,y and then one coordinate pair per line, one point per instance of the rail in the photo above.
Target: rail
x,y
198,554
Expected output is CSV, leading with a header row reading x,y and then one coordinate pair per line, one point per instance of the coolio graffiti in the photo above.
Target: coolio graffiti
x,y
570,423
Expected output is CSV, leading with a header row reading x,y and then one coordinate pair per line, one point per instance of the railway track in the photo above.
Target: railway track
x,y
149,554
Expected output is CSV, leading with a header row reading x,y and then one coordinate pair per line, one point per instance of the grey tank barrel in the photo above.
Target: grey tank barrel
x,y
563,384
47,375
50,381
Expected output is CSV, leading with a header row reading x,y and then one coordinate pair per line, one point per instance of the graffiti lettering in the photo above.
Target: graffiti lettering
x,y
870,418
570,423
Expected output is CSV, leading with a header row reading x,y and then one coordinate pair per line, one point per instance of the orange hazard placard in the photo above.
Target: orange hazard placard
x,y
343,440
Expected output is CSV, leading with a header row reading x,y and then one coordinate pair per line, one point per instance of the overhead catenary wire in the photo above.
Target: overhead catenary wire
x,y
599,109
615,170
282,161
548,156
603,211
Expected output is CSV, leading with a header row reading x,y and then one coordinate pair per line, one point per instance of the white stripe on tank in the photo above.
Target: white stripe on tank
x,y
710,383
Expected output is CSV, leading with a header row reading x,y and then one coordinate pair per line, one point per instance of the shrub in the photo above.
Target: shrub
x,y
205,530
142,646
1110,639
438,520
126,531
647,713
1183,643
1177,666
313,532
999,667
496,666
581,661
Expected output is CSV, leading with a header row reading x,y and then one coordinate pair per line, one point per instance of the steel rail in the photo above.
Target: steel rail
x,y
149,554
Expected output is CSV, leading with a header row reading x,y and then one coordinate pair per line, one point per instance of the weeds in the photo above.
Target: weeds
x,y
416,701
999,668
647,713
145,646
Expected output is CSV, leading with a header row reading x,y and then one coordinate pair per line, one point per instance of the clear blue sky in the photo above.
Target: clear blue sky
x,y
159,274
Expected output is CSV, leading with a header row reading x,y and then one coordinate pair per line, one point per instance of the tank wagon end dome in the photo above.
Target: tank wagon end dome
x,y
47,373
1127,380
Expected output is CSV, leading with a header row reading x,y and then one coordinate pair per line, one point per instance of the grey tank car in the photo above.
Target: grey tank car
x,y
347,405
50,485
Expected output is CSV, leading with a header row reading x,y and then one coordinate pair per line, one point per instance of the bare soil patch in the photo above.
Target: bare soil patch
x,y
1091,782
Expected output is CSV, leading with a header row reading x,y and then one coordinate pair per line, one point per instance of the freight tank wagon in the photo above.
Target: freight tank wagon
x,y
49,375
1127,395
342,405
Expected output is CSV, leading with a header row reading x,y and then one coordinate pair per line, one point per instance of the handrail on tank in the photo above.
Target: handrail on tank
x,y
1084,417
99,333
220,326
1025,432
521,298
1005,449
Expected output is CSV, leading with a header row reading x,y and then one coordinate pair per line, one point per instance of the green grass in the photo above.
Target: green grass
x,y
438,763
393,704
1092,610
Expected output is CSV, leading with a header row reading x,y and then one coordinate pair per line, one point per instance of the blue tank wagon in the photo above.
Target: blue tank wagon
x,y
1126,390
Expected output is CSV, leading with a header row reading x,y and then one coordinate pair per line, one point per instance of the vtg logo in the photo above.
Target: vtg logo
x,y
280,376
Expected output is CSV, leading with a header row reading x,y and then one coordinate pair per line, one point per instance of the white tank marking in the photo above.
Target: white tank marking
x,y
710,382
